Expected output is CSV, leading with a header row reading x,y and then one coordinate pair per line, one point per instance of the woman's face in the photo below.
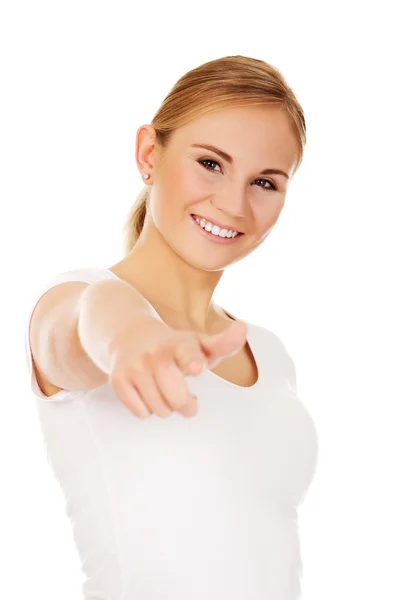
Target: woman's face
x,y
191,179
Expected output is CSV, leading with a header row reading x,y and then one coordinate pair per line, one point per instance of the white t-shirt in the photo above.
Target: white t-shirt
x,y
201,508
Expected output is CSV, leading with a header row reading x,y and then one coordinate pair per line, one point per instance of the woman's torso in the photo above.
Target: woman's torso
x,y
176,508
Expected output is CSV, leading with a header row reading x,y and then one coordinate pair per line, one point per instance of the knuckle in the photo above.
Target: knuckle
x,y
138,365
188,347
142,363
117,377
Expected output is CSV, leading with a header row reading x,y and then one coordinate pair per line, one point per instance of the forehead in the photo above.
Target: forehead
x,y
246,133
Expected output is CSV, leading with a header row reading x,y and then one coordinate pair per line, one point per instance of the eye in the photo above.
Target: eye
x,y
210,160
273,186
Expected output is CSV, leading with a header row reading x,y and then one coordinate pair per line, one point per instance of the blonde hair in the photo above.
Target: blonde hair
x,y
224,82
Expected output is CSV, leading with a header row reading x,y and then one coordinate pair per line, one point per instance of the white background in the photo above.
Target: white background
x,y
78,79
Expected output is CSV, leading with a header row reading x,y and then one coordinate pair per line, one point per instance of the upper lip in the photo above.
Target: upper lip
x,y
215,222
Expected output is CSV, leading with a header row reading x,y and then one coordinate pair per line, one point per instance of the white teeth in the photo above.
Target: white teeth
x,y
215,230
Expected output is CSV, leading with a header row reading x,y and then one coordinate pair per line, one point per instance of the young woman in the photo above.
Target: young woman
x,y
166,507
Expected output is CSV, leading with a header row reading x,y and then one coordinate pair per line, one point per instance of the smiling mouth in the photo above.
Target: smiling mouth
x,y
221,227
213,236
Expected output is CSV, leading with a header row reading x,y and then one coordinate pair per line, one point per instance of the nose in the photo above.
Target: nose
x,y
230,200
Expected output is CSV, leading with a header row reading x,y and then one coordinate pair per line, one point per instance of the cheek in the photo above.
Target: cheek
x,y
266,217
193,184
178,192
203,177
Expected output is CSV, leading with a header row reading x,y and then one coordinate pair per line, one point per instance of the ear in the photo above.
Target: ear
x,y
145,148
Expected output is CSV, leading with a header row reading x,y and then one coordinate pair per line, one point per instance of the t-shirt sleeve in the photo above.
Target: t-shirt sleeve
x,y
288,366
289,369
282,361
86,275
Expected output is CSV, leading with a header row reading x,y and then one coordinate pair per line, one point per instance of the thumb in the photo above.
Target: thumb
x,y
225,343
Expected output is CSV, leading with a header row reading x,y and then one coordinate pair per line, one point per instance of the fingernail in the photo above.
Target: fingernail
x,y
188,412
196,366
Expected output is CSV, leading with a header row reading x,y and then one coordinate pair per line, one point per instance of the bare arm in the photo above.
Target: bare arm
x,y
109,314
74,325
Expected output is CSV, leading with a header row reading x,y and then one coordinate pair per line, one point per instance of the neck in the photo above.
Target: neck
x,y
178,290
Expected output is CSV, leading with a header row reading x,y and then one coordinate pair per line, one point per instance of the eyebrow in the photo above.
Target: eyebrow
x,y
229,159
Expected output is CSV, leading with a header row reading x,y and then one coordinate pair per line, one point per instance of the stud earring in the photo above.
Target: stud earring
x,y
146,176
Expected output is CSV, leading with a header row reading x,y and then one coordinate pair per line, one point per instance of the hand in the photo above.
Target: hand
x,y
153,381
